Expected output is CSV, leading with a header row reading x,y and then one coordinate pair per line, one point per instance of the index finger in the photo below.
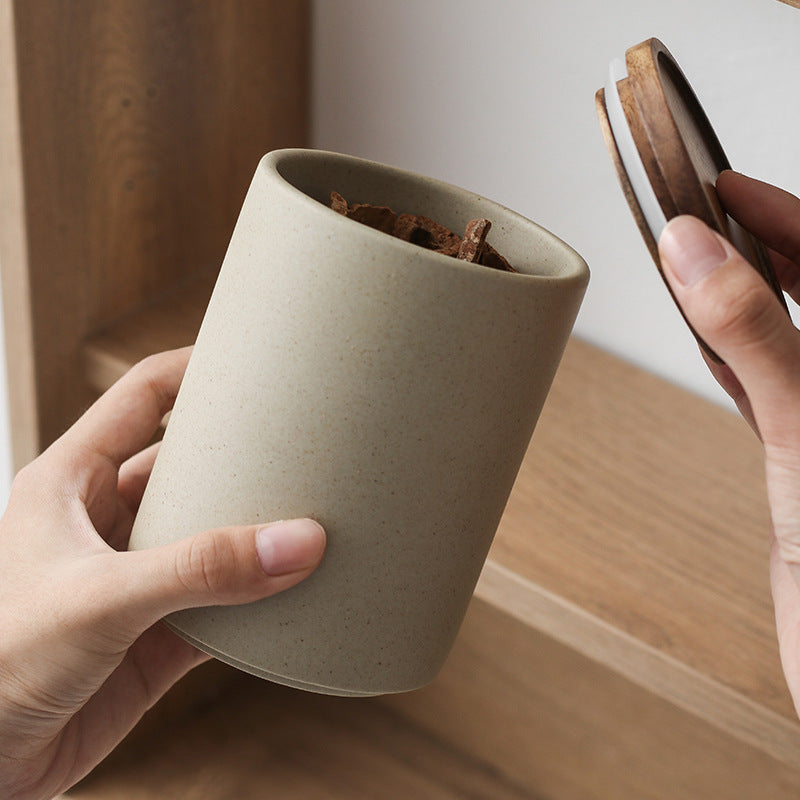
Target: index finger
x,y
770,213
124,419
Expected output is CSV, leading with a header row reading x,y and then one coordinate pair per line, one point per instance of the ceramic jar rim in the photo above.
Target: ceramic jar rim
x,y
572,267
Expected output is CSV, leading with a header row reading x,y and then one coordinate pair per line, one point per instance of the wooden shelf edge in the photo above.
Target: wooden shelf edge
x,y
262,739
640,663
173,321
102,368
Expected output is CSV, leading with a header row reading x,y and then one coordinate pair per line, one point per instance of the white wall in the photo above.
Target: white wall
x,y
499,97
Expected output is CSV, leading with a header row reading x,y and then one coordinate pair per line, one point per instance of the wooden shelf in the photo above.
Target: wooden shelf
x,y
170,322
514,714
271,741
636,535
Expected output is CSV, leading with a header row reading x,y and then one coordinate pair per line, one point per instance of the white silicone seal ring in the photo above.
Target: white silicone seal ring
x,y
629,154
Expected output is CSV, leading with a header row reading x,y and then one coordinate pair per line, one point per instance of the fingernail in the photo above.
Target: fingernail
x,y
691,249
289,546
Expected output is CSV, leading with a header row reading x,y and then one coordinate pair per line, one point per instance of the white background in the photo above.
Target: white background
x,y
499,97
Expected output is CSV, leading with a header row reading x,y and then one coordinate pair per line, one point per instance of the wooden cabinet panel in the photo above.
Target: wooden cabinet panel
x,y
138,125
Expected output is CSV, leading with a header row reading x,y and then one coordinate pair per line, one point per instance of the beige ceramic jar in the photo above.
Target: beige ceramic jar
x,y
385,390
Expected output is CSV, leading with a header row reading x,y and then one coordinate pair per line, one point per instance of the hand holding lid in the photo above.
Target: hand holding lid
x,y
667,155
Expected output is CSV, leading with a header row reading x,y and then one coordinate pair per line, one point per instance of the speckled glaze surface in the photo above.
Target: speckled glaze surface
x,y
385,390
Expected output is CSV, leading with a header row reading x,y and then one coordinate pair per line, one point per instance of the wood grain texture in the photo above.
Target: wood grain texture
x,y
141,122
644,507
647,666
563,726
262,740
172,321
513,714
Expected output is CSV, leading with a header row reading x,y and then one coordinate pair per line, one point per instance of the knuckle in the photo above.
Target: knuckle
x,y
746,316
145,366
788,548
203,567
24,478
146,373
34,481
787,242
783,478
149,381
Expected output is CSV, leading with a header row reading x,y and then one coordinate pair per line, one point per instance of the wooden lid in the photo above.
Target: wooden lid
x,y
666,153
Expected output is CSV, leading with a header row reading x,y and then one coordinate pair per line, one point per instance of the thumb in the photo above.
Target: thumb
x,y
733,309
226,566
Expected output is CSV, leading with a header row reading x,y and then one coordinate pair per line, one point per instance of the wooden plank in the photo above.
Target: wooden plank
x,y
514,714
171,322
142,122
643,664
560,725
262,740
644,507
